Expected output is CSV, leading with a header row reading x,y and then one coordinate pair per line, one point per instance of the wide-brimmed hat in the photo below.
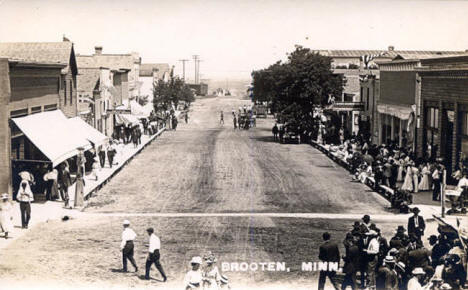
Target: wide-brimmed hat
x,y
401,265
389,259
401,229
5,196
418,271
366,217
126,222
415,210
445,286
196,260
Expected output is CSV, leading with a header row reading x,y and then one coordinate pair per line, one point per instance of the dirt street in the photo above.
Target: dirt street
x,y
202,167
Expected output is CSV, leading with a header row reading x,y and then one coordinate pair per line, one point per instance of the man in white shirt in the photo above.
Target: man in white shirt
x,y
128,235
415,282
154,255
372,257
25,197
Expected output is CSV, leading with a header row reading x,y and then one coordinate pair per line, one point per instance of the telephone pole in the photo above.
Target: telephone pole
x,y
195,60
183,66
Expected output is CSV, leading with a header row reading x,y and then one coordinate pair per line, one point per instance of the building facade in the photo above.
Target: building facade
x,y
26,88
444,116
50,52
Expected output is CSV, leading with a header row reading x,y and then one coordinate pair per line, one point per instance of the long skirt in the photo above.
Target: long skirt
x,y
424,184
408,183
79,198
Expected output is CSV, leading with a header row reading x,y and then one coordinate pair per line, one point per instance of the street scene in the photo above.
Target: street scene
x,y
224,157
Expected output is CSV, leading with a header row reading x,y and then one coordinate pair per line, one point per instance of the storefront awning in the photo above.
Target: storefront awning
x,y
126,119
52,135
401,112
87,131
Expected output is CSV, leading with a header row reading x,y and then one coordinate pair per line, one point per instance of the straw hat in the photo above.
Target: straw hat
x,y
126,222
5,196
418,271
196,260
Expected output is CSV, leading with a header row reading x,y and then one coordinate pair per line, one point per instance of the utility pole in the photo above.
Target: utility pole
x,y
196,60
183,66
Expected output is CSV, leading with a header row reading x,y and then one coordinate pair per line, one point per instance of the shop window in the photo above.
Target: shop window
x,y
432,118
50,107
36,110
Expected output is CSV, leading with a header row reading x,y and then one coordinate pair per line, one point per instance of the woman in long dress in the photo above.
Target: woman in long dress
x,y
401,169
6,217
424,184
408,183
79,188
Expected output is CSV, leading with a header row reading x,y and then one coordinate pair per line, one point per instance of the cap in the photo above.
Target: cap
x,y
126,223
418,271
196,260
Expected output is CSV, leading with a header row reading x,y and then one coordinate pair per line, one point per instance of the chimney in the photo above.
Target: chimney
x,y
98,50
391,48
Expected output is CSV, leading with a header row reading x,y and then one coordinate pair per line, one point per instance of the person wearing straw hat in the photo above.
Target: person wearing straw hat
x,y
387,277
418,278
372,252
6,218
194,278
154,255
127,247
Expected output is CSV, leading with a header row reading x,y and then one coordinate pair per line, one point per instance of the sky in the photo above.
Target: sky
x,y
235,37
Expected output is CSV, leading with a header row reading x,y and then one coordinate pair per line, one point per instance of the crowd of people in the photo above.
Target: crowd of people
x,y
403,262
244,118
399,169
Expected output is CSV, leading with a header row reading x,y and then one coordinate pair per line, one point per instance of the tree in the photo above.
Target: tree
x,y
296,86
166,94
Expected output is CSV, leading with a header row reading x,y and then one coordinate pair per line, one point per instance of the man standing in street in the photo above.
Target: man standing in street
x,y
154,255
416,224
111,153
274,130
330,254
128,235
351,262
25,197
372,258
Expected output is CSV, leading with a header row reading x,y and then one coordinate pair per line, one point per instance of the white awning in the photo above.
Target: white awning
x,y
126,119
51,133
80,127
401,112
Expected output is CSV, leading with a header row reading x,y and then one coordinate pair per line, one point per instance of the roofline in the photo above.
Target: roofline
x,y
439,69
411,60
25,63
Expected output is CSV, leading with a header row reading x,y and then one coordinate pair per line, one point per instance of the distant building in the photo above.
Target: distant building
x,y
125,68
26,88
50,52
370,96
100,91
199,89
151,73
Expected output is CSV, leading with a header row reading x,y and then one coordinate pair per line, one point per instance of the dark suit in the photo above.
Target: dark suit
x,y
328,252
417,230
351,267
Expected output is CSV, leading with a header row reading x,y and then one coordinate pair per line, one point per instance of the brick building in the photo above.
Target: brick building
x,y
26,88
443,130
50,52
125,69
370,96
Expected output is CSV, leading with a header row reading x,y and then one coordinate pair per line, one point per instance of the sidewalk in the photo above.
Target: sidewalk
x,y
54,210
422,200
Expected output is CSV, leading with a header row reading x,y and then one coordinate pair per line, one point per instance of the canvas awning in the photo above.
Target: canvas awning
x,y
401,112
52,135
126,119
80,127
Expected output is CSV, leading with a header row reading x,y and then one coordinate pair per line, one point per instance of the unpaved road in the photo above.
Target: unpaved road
x,y
201,168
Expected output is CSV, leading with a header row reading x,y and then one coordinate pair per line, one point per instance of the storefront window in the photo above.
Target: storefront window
x,y
432,118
